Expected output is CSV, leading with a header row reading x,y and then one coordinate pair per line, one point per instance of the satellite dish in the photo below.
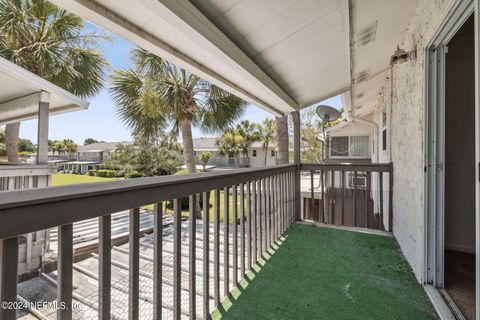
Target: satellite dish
x,y
327,113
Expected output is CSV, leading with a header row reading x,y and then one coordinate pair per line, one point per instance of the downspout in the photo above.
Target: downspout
x,y
350,115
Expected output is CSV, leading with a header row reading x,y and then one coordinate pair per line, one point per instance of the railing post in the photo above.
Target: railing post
x,y
8,273
64,270
390,198
296,160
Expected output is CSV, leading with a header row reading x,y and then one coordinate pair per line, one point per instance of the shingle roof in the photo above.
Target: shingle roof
x,y
101,146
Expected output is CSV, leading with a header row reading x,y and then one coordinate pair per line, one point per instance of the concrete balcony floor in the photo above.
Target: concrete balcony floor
x,y
325,273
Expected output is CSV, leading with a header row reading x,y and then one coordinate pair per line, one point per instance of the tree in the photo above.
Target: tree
x,y
282,139
149,161
69,146
250,134
230,143
25,145
57,146
267,135
90,141
156,94
49,42
3,147
204,158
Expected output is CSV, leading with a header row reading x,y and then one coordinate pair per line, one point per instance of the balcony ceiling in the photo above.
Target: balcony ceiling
x,y
279,54
20,93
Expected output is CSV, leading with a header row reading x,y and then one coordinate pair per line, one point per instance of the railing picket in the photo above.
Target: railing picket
x,y
381,199
390,198
343,198
157,258
226,235
105,266
234,235
367,197
271,211
8,280
332,197
264,215
355,190
134,264
64,271
279,204
192,236
312,197
177,258
206,259
249,226
284,202
260,217
216,247
242,229
254,222
322,200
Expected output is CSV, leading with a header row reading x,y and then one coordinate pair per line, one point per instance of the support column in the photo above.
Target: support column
x,y
296,160
42,135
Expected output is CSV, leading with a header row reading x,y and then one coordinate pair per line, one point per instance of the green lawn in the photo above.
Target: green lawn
x,y
211,207
324,273
61,179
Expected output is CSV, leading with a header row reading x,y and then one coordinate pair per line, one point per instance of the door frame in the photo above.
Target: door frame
x,y
434,51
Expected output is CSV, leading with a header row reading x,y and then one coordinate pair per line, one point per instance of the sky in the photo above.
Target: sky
x,y
100,121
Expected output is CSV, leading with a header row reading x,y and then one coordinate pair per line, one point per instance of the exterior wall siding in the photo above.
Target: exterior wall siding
x,y
405,138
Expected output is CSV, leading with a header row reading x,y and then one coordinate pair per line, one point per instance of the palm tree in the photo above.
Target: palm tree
x,y
69,146
229,144
3,147
282,139
267,135
250,134
57,146
48,41
155,94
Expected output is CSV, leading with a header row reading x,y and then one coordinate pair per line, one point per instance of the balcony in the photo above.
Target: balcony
x,y
327,273
187,264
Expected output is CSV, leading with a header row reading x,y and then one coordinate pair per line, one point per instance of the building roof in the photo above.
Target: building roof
x,y
21,91
102,146
209,144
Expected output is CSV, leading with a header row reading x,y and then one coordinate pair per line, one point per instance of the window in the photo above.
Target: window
x,y
339,147
349,146
384,139
254,153
273,153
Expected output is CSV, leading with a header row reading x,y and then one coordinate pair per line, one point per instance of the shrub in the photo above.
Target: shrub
x,y
106,173
92,173
133,174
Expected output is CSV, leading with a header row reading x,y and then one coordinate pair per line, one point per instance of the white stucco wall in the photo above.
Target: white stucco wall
x,y
406,133
259,160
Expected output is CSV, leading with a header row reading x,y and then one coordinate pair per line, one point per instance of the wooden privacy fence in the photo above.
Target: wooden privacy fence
x,y
260,203
348,194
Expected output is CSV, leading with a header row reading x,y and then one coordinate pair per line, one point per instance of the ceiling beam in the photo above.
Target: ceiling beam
x,y
188,17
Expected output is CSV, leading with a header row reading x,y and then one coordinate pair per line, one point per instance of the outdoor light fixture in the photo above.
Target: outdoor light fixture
x,y
400,56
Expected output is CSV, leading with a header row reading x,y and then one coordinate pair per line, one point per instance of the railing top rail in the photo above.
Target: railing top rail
x,y
24,211
370,167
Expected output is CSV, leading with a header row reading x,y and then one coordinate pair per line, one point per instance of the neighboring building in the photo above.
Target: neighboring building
x,y
90,156
255,159
349,142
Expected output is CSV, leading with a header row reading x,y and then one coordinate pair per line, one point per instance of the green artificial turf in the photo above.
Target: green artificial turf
x,y
324,273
